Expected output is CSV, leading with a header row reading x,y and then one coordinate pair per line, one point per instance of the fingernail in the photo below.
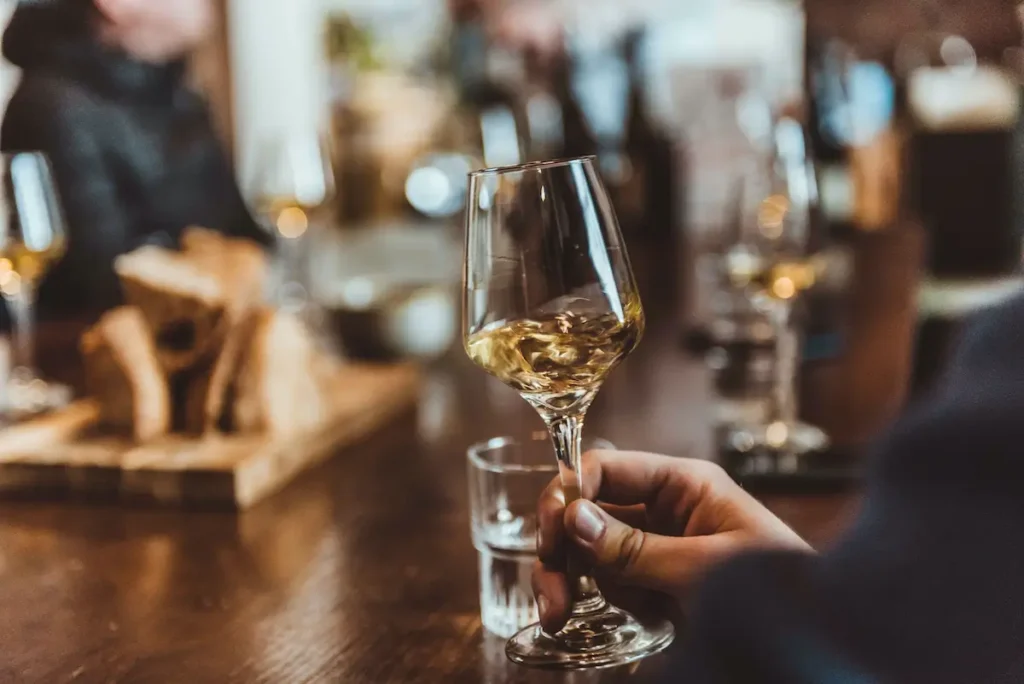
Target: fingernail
x,y
589,523
543,606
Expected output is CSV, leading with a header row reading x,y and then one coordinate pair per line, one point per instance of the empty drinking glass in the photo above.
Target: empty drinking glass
x,y
506,477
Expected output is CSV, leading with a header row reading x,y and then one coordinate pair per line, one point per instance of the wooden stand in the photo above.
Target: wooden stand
x,y
64,455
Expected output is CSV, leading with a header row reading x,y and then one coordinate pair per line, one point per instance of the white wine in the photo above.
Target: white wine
x,y
557,360
288,216
780,279
23,265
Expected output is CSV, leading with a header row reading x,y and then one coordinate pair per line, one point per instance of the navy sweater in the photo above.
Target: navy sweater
x,y
928,584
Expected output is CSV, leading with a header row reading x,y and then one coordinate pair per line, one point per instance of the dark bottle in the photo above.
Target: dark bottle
x,y
577,138
827,97
489,83
651,153
966,165
853,139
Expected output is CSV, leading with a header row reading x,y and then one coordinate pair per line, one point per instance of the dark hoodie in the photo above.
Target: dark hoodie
x,y
928,585
135,156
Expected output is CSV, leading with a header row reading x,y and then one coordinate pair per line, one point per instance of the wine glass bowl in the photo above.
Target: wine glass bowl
x,y
295,183
293,190
294,194
550,308
32,240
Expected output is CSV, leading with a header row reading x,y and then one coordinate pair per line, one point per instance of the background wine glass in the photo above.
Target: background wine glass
x,y
295,190
32,239
551,308
774,263
295,193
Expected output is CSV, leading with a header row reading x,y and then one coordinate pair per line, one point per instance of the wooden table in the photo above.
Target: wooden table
x,y
361,572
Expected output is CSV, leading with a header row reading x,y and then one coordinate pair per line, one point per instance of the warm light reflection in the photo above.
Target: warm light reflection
x,y
771,215
10,282
790,278
776,434
292,222
784,288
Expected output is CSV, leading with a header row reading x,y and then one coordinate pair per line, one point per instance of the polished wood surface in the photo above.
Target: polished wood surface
x,y
361,571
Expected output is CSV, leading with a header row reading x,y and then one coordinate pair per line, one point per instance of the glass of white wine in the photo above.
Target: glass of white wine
x,y
294,192
32,239
550,308
774,266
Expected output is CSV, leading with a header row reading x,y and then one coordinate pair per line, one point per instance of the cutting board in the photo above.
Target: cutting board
x,y
64,454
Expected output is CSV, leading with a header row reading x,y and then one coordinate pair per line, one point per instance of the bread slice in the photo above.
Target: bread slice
x,y
182,301
210,395
123,372
198,239
278,390
188,390
240,265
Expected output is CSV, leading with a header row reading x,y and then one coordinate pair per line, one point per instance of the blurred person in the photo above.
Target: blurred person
x,y
927,586
534,27
104,95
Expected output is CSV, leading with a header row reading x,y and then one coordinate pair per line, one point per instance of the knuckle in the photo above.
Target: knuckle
x,y
631,550
550,510
710,474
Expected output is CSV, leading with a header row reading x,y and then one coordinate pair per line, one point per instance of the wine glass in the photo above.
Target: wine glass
x,y
294,191
31,241
773,265
550,308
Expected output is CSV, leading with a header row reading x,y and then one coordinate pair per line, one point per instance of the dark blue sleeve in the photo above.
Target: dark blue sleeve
x,y
928,584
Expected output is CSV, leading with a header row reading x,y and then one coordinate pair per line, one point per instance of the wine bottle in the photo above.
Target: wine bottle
x,y
653,184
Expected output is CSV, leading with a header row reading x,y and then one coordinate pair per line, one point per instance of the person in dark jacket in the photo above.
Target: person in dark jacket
x,y
136,159
927,586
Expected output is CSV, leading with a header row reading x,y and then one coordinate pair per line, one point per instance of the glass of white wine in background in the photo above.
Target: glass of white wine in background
x,y
774,265
32,239
295,191
550,308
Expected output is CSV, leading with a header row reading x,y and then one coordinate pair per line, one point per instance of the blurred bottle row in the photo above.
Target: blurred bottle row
x,y
701,116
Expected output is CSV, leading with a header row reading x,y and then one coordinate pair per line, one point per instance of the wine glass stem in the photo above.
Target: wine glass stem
x,y
787,356
567,435
22,306
291,256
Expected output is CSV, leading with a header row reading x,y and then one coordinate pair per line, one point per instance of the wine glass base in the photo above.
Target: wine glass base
x,y
609,639
26,394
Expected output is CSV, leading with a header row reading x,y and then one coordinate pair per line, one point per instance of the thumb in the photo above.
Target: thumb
x,y
634,557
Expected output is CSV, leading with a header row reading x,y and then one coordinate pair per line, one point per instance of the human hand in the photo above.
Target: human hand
x,y
661,523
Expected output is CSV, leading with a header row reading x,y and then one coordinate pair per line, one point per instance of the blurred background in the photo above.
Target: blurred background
x,y
886,132
816,196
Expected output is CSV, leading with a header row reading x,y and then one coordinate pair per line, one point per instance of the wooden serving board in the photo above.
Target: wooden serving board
x,y
63,453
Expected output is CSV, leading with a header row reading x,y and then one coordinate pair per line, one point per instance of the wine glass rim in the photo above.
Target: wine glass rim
x,y
534,165
476,457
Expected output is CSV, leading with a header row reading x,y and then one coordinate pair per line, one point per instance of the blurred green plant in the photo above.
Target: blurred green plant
x,y
348,42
